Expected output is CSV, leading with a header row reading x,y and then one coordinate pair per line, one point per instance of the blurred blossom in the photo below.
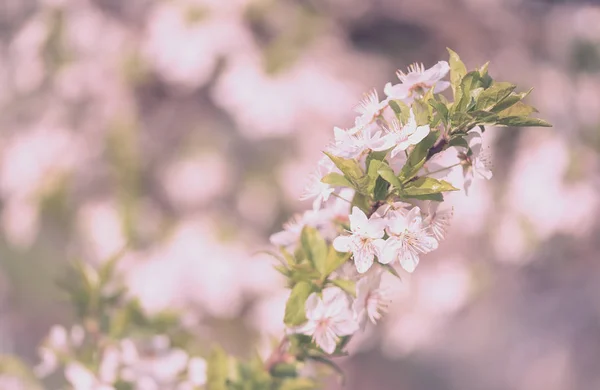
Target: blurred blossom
x,y
194,181
102,226
537,191
186,52
26,51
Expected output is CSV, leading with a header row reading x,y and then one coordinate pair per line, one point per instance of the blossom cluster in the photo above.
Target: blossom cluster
x,y
378,194
141,364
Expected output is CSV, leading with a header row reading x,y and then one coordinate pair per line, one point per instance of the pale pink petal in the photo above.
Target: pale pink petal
x,y
389,251
326,340
409,260
342,243
363,261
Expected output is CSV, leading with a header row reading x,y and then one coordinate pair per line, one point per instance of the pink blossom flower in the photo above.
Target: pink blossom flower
x,y
329,318
365,240
408,239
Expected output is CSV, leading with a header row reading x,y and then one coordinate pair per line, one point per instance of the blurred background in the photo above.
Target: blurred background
x,y
187,128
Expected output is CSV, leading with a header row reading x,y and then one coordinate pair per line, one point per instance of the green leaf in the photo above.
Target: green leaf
x,y
335,260
13,367
458,140
362,202
353,172
457,70
294,309
380,192
314,247
376,156
336,179
463,97
392,270
401,110
372,171
508,101
427,186
522,121
497,92
441,109
421,111
289,258
284,370
417,157
387,173
518,109
217,370
348,286
485,77
299,384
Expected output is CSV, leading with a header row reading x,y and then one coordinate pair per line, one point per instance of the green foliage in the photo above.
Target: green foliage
x,y
352,172
217,370
418,157
315,248
479,100
294,309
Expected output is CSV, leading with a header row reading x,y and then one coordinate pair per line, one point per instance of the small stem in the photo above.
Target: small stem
x,y
443,169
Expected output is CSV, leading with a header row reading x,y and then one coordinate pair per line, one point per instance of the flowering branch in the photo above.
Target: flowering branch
x,y
377,206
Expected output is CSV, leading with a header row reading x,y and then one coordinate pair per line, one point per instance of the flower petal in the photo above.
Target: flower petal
x,y
342,243
389,251
409,260
363,261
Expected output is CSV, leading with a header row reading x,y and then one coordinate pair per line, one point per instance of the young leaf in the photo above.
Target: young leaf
x,y
427,186
380,192
392,270
386,172
522,121
441,109
417,157
217,370
518,109
337,180
299,384
314,247
421,111
348,286
457,70
335,260
294,309
401,110
497,92
463,97
353,172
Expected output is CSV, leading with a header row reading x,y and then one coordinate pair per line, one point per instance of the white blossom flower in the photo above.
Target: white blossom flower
x,y
83,379
197,371
477,165
418,79
438,221
292,229
329,318
351,144
364,242
407,135
369,108
315,188
371,300
408,239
